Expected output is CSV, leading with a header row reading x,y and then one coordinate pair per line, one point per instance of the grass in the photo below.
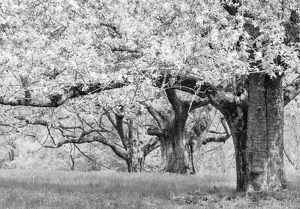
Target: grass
x,y
53,189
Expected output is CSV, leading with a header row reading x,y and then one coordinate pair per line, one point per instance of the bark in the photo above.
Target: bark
x,y
138,152
176,153
135,156
173,143
264,150
257,132
237,122
135,164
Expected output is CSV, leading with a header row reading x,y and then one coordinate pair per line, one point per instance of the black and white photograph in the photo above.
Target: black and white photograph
x,y
149,104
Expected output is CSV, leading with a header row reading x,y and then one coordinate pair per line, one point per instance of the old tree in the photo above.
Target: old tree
x,y
239,56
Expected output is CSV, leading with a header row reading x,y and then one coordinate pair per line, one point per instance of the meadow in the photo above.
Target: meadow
x,y
58,189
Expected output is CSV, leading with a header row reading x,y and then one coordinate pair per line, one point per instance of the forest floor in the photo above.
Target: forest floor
x,y
54,189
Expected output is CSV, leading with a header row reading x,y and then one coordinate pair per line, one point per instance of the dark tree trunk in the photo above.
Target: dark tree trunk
x,y
176,156
264,151
236,118
171,133
257,132
174,152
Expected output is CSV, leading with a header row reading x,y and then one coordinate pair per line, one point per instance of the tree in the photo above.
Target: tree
x,y
226,52
171,131
256,121
83,128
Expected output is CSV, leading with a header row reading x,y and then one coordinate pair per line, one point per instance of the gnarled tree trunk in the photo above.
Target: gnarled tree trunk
x,y
176,156
171,132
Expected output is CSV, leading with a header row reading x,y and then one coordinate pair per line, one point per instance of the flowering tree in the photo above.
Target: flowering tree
x,y
232,54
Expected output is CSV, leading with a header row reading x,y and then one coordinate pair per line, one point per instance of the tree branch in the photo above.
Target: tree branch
x,y
112,28
291,91
57,99
158,116
90,158
120,129
150,145
218,97
216,139
175,101
80,140
198,103
155,131
290,159
123,49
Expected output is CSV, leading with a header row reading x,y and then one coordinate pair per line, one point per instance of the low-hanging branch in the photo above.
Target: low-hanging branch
x,y
59,98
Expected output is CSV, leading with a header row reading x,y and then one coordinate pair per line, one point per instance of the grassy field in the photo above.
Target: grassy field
x,y
53,189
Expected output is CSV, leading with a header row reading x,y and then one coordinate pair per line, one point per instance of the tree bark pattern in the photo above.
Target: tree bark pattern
x,y
264,151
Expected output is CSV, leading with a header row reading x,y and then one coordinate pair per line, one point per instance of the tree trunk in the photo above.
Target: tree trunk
x,y
190,147
257,133
135,159
175,153
236,118
264,147
135,165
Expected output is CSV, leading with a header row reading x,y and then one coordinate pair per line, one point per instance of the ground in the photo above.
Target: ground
x,y
53,189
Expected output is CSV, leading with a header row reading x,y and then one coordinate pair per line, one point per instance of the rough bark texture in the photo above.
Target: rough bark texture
x,y
176,154
135,157
264,151
236,118
173,142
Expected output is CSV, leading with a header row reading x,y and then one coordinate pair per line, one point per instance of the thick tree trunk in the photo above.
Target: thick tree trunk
x,y
257,133
174,152
176,155
264,147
